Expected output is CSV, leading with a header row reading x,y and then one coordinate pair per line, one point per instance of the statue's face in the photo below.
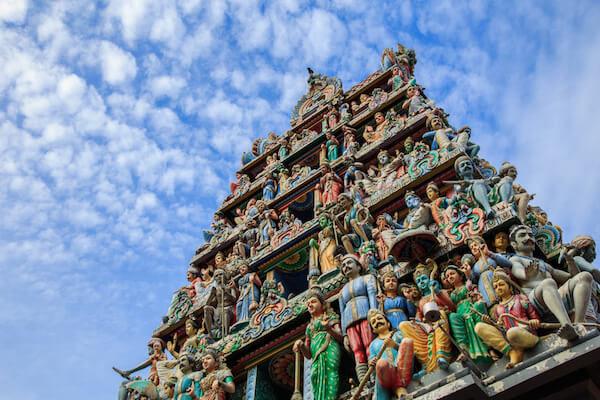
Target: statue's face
x,y
324,169
390,283
189,276
523,241
169,390
219,259
190,330
422,282
314,306
502,288
432,194
208,362
501,241
260,206
477,248
383,159
350,267
243,269
157,348
413,202
512,173
345,202
407,292
409,146
466,269
542,218
589,253
465,168
396,71
412,91
453,277
379,118
219,275
437,123
378,323
184,363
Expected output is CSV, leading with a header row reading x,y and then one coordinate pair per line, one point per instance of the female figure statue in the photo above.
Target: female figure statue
x,y
249,293
269,187
330,148
217,379
323,335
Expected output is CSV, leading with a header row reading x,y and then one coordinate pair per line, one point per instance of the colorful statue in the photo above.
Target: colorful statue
x,y
156,353
329,150
416,102
486,264
220,229
356,298
394,368
419,213
248,293
477,189
501,244
509,191
270,188
398,79
433,348
467,262
583,251
329,187
267,222
357,227
356,182
385,234
345,113
218,312
396,308
390,169
330,119
438,205
373,134
217,380
323,335
442,137
351,146
284,149
322,252
468,314
249,239
505,334
539,282
190,346
187,387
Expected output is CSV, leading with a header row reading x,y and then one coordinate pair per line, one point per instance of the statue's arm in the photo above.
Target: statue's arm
x,y
518,269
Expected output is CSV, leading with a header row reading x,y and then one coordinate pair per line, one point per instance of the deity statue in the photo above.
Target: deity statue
x,y
249,239
419,213
394,369
218,312
186,388
322,252
190,346
507,190
193,276
356,298
323,335
330,119
329,150
463,321
345,113
438,205
247,290
396,308
416,102
374,134
284,149
156,353
217,379
390,169
504,334
476,189
482,271
269,187
501,244
398,79
433,348
583,251
220,228
385,234
356,181
539,282
443,137
329,187
467,262
351,146
357,227
267,222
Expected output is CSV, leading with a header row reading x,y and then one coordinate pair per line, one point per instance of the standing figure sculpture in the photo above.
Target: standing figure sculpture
x,y
356,298
248,293
190,346
394,369
396,308
218,312
463,321
330,149
539,282
501,244
433,348
267,222
503,333
187,387
416,102
322,252
329,187
323,335
269,187
486,264
583,251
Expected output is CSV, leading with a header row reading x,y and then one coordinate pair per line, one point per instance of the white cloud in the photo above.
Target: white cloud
x,y
13,10
118,66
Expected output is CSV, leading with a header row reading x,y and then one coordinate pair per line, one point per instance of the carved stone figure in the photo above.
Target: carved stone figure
x,y
396,308
486,264
217,379
539,282
505,334
270,188
390,169
329,187
438,205
509,191
190,346
356,228
323,335
248,293
284,149
356,298
419,213
187,387
351,146
345,113
218,312
394,369
416,102
583,251
156,352
373,134
477,189
267,222
322,252
501,244
329,150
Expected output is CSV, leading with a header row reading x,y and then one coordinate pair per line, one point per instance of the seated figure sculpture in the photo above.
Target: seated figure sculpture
x,y
443,137
416,102
477,189
539,282
390,169
356,228
394,369
374,134
518,336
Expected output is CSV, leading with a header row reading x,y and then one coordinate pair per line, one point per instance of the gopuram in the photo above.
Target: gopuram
x,y
369,253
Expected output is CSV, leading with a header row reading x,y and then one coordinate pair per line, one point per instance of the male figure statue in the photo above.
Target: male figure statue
x,y
537,278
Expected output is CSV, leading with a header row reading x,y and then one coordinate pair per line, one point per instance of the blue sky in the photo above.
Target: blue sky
x,y
122,122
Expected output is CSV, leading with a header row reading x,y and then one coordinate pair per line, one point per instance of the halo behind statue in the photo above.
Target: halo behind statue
x,y
414,244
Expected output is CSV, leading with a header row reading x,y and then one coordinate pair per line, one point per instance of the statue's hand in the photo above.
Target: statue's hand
x,y
389,342
486,319
534,323
297,346
347,344
380,297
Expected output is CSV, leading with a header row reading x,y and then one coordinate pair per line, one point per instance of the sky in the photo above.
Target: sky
x,y
122,123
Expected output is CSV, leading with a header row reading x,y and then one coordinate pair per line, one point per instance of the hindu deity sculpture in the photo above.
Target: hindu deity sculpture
x,y
432,346
190,346
218,312
284,149
329,150
419,213
583,250
322,252
390,169
508,335
249,239
356,298
156,353
507,190
356,228
398,79
345,113
356,181
539,282
483,269
217,379
330,185
373,134
270,188
394,369
467,315
248,293
385,234
467,261
267,222
187,387
477,189
438,205
416,102
330,119
442,137
396,308
501,244
351,146
193,276
323,335
220,228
